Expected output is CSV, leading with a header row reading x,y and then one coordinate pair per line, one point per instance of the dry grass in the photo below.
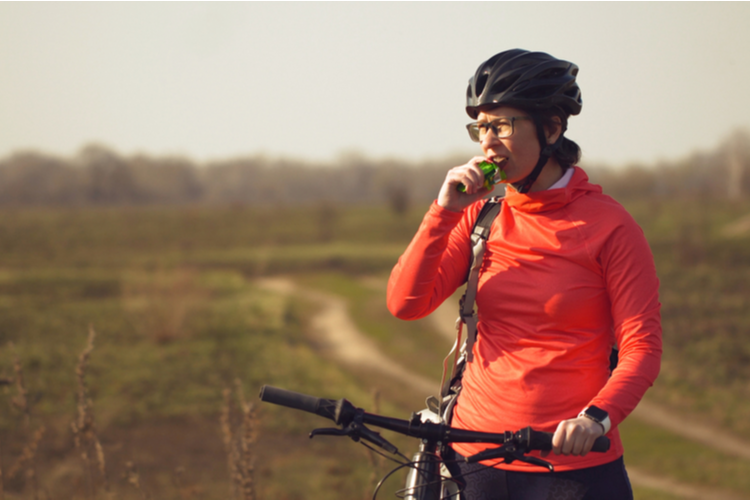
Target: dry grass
x,y
375,459
239,438
134,478
84,427
239,424
163,301
26,462
21,400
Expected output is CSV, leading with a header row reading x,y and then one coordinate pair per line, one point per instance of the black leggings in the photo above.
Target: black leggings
x,y
603,482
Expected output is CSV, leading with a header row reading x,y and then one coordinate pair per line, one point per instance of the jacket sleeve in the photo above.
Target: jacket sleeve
x,y
633,288
434,264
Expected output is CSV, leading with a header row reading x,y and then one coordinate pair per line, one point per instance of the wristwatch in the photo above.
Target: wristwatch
x,y
597,415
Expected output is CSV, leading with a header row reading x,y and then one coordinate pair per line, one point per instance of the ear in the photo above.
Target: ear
x,y
553,132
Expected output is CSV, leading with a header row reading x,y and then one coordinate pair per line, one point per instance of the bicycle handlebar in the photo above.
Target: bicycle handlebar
x,y
345,414
298,401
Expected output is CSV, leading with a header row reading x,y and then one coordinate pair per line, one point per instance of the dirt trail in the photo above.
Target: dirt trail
x,y
339,335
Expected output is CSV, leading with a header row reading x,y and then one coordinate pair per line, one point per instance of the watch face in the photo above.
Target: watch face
x,y
596,413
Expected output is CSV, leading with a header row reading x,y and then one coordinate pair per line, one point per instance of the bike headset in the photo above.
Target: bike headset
x,y
533,82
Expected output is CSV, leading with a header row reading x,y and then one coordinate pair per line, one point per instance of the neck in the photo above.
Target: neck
x,y
551,173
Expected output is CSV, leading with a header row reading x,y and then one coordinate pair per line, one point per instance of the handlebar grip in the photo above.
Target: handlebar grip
x,y
295,400
601,444
543,441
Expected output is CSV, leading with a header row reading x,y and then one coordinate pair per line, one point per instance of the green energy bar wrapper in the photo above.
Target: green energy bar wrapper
x,y
490,170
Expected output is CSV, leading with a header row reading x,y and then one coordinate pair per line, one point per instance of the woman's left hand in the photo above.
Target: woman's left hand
x,y
576,436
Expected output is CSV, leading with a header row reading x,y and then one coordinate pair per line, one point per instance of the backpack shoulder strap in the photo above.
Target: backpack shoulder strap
x,y
479,236
462,349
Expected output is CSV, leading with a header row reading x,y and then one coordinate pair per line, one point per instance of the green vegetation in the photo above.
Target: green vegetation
x,y
650,494
662,453
705,295
166,347
171,295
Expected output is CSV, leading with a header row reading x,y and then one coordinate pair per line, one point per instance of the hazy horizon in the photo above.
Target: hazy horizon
x,y
318,81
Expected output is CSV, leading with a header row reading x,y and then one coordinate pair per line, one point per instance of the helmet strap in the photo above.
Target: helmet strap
x,y
546,151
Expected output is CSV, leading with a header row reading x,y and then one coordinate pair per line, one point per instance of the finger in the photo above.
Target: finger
x,y
473,178
558,438
451,198
476,173
591,439
567,447
574,438
579,443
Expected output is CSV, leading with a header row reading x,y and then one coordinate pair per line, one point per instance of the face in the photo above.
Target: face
x,y
520,151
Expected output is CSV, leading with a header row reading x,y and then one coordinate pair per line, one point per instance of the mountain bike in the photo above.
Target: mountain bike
x,y
428,478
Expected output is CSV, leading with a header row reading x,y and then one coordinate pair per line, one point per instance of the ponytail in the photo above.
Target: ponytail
x,y
568,153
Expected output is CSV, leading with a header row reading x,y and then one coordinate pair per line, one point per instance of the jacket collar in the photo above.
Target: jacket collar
x,y
551,199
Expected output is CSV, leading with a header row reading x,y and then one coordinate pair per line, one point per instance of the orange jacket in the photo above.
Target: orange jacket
x,y
567,274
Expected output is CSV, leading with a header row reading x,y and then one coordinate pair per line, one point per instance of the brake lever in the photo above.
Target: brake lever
x,y
499,452
509,452
328,431
376,439
536,461
357,431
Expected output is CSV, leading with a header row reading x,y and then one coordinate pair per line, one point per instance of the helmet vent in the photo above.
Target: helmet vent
x,y
481,82
502,85
538,92
551,73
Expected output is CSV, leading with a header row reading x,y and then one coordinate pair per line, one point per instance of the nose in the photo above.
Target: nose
x,y
489,140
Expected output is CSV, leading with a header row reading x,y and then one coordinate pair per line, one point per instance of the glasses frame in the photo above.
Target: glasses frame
x,y
492,125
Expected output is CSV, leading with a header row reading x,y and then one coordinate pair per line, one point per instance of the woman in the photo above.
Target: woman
x,y
567,275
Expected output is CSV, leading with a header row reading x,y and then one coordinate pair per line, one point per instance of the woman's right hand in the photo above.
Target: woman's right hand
x,y
471,176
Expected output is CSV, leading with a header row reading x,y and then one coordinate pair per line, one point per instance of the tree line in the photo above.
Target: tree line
x,y
98,175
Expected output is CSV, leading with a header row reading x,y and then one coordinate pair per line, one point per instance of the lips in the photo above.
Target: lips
x,y
500,161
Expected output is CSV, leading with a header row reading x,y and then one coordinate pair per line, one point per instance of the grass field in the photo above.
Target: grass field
x,y
170,293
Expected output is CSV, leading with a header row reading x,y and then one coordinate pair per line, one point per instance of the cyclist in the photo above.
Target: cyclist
x,y
567,275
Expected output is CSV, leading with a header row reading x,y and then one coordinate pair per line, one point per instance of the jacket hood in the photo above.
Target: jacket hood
x,y
552,199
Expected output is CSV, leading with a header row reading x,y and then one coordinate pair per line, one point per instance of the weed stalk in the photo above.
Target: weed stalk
x,y
84,427
226,431
21,401
248,435
371,455
134,478
27,460
239,442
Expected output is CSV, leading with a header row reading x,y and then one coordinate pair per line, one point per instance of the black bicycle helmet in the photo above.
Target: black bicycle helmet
x,y
532,81
528,80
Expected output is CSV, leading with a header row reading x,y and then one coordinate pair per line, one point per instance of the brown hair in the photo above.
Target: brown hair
x,y
569,153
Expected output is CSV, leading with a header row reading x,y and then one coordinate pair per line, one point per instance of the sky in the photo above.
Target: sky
x,y
318,81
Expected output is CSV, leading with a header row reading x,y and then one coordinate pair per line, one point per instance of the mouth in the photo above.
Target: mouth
x,y
500,161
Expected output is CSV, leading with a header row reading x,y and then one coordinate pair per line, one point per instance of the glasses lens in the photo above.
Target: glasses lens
x,y
503,128
474,133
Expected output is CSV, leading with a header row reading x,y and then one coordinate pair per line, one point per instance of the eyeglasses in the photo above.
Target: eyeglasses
x,y
502,127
